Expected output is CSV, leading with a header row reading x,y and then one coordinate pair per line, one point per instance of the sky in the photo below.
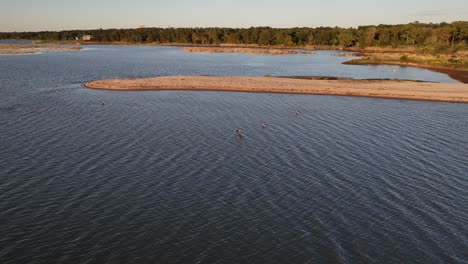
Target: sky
x,y
39,15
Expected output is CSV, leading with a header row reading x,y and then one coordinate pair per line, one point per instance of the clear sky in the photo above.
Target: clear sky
x,y
34,15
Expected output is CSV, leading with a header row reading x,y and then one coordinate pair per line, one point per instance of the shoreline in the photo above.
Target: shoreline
x,y
458,75
191,45
271,51
388,89
453,71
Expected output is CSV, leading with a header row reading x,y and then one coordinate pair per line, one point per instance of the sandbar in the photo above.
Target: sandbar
x,y
272,51
393,89
31,49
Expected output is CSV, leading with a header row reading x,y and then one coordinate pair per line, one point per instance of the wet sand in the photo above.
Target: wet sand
x,y
443,92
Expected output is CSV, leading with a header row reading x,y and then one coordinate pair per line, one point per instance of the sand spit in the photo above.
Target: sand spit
x,y
412,90
13,52
242,50
31,49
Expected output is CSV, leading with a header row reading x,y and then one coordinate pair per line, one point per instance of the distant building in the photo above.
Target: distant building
x,y
84,37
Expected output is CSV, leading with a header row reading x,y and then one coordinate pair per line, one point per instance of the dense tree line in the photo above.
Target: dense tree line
x,y
444,35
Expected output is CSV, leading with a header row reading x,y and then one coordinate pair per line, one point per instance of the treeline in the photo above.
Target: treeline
x,y
442,36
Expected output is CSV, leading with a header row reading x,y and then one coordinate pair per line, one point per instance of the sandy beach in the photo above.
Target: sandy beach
x,y
443,92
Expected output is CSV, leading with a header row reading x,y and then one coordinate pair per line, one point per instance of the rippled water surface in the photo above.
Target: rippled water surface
x,y
160,177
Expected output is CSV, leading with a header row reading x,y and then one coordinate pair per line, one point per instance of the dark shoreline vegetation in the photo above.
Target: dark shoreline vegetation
x,y
441,37
441,47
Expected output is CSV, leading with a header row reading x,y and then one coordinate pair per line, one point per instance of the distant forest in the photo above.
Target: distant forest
x,y
436,37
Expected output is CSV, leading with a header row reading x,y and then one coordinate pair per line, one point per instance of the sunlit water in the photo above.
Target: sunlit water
x,y
160,177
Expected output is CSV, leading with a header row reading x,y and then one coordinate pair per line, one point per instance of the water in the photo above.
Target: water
x,y
159,177
15,42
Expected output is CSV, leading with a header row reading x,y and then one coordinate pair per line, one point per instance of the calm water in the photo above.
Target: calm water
x,y
15,42
159,177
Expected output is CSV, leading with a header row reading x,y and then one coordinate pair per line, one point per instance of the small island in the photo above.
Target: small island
x,y
393,89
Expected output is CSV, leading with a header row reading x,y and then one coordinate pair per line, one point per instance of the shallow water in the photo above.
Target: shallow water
x,y
160,177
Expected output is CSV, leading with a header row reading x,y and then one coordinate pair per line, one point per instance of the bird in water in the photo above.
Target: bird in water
x,y
297,113
264,125
239,135
103,103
